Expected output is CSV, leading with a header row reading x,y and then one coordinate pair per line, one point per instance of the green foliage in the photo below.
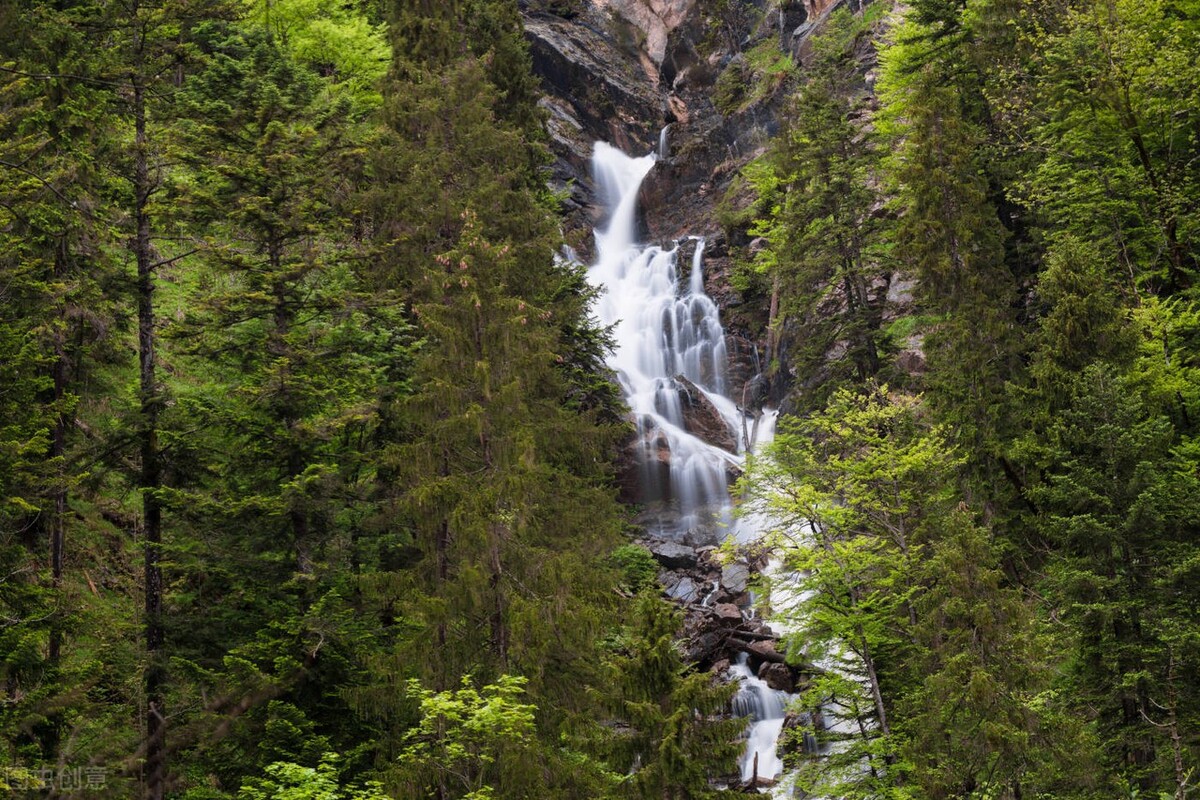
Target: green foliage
x,y
568,9
673,735
731,88
331,38
288,781
637,566
461,736
1114,89
752,77
901,600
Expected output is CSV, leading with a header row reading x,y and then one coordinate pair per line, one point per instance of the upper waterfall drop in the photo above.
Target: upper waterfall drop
x,y
669,346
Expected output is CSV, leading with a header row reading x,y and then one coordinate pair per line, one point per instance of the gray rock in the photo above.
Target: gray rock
x,y
672,554
685,591
735,577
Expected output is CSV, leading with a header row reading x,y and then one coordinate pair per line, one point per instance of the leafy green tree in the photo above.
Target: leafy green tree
x,y
336,40
926,661
288,781
503,487
463,735
1111,113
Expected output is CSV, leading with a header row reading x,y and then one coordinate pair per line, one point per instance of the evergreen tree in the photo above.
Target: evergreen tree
x,y
291,362
501,485
56,321
826,243
671,735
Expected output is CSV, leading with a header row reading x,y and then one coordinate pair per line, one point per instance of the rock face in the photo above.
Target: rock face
x,y
593,86
701,418
655,18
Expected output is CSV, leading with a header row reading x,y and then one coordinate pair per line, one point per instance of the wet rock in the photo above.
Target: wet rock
x,y
704,647
672,554
777,676
720,667
701,418
744,366
644,468
735,577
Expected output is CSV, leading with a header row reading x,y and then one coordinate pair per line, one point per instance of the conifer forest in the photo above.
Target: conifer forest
x,y
600,399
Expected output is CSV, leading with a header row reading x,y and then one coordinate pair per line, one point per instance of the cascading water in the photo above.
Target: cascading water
x,y
766,708
669,340
663,333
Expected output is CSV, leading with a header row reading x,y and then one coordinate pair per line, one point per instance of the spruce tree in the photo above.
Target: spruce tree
x,y
502,486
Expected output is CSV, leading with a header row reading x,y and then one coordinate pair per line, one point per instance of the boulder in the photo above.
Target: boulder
x,y
777,676
672,554
735,577
912,360
701,418
728,613
705,646
685,591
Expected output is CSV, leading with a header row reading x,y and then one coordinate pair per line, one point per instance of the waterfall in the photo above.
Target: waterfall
x,y
669,339
664,331
766,708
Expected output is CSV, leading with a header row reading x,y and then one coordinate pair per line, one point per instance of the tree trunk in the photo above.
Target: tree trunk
x,y
154,769
498,623
58,449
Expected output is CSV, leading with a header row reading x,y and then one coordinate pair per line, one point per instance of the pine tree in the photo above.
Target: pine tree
x,y
290,363
826,238
55,318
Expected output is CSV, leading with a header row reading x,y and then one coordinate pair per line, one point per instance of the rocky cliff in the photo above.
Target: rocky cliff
x,y
701,81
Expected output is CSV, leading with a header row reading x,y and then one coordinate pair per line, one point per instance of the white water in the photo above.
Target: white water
x,y
766,708
665,326
663,330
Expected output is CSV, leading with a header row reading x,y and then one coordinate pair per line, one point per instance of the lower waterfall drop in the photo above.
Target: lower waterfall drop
x,y
670,345
766,708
